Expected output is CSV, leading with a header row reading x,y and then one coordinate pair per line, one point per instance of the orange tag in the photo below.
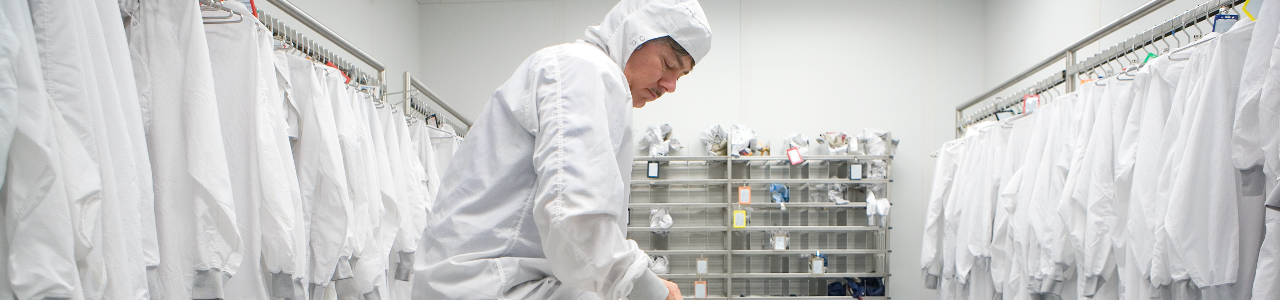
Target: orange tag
x,y
699,289
744,195
794,155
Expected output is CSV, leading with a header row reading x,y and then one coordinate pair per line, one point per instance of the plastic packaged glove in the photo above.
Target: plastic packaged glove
x,y
657,140
872,208
798,141
660,265
837,142
836,193
660,218
878,141
780,193
742,141
882,209
716,140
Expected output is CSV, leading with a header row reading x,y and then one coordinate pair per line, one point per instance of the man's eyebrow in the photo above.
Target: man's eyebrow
x,y
680,58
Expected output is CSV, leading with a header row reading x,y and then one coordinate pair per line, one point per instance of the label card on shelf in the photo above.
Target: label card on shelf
x,y
739,219
779,242
816,264
699,289
653,169
855,171
702,266
793,154
744,195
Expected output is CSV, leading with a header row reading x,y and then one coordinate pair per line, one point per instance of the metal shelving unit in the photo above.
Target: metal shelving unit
x,y
702,193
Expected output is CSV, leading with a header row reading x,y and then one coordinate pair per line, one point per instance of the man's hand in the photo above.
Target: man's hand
x,y
673,290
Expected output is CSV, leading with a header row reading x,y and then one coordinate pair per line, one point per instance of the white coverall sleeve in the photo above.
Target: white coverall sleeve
x,y
580,195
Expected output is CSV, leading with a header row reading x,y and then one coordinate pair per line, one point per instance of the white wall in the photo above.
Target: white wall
x,y
780,67
386,29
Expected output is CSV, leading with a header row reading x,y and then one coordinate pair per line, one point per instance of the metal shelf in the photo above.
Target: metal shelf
x,y
635,182
763,158
806,205
680,158
678,228
687,252
803,275
810,251
806,181
752,205
682,205
695,276
711,182
802,297
679,181
812,228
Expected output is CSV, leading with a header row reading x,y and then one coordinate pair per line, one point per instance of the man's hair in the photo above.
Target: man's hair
x,y
674,46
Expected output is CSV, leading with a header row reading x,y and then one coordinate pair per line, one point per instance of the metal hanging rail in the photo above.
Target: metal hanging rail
x,y
301,16
417,85
1068,76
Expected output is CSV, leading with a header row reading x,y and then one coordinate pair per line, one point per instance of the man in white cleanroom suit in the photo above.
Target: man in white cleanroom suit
x,y
534,204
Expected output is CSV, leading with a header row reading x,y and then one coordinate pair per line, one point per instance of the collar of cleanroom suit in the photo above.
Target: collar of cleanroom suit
x,y
534,204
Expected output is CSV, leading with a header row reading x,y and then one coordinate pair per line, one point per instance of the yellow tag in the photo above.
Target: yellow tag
x,y
744,195
739,219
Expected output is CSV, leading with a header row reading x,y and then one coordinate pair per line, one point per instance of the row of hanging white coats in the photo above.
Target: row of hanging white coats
x,y
151,155
1159,184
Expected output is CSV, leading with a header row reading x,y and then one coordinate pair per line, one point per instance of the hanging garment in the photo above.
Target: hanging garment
x,y
370,271
321,174
1268,267
282,216
944,173
1202,222
189,165
402,252
1164,77
301,211
1246,149
334,90
1168,270
1007,165
264,203
38,245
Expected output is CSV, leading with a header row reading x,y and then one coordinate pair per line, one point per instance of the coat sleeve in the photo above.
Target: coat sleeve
x,y
580,196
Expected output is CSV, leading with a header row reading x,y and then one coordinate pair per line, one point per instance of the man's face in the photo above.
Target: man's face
x,y
653,70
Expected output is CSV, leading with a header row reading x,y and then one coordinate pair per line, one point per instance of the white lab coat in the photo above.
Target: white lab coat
x,y
301,211
944,172
321,173
534,203
1268,269
1009,165
1249,156
1202,222
371,270
264,197
38,245
189,167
